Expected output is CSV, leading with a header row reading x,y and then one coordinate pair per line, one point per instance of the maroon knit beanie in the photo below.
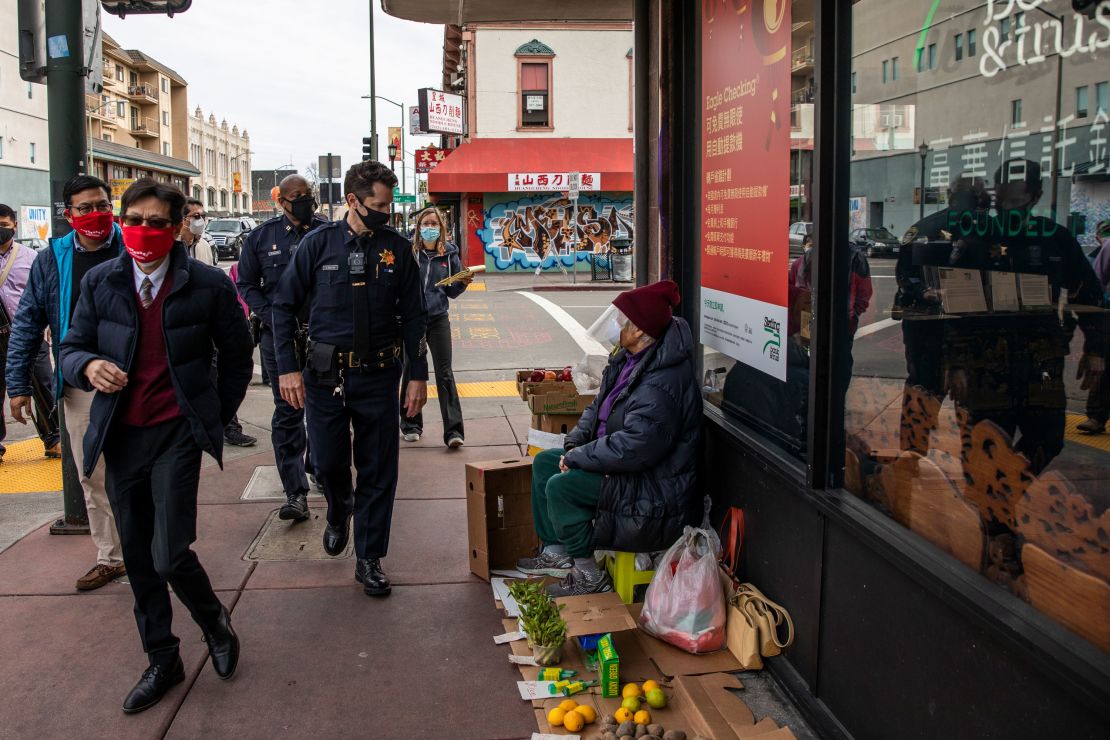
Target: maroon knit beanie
x,y
650,307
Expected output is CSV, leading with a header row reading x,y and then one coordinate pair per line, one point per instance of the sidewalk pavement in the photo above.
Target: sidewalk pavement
x,y
547,281
319,657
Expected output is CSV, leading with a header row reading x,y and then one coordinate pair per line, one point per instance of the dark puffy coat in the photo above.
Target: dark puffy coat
x,y
649,453
433,268
200,315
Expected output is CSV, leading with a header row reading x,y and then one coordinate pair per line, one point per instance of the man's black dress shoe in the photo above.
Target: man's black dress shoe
x,y
223,646
368,572
335,538
295,507
156,681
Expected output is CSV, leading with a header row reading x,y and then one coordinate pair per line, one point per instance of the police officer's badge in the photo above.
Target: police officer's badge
x,y
387,257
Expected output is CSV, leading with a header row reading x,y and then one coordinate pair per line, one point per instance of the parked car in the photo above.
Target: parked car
x,y
799,230
34,243
227,234
875,242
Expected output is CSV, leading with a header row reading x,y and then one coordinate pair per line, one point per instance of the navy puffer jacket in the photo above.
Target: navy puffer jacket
x,y
201,315
649,452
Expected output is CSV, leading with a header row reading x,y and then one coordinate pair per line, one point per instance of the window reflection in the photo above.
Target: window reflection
x,y
978,403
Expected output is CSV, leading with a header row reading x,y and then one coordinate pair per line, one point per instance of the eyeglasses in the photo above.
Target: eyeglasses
x,y
86,208
197,217
155,222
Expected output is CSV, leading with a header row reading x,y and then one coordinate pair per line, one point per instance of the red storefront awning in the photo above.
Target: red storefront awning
x,y
485,165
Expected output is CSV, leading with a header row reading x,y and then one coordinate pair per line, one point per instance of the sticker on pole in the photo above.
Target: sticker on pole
x,y
57,47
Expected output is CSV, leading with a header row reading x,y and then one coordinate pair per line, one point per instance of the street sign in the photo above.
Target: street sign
x,y
403,197
574,180
336,167
440,112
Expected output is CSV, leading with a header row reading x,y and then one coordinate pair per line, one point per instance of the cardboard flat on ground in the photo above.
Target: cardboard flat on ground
x,y
672,661
595,614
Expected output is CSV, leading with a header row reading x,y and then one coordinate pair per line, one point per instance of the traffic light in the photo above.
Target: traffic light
x,y
367,148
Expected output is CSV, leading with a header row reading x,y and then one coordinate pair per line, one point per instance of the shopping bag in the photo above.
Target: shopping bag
x,y
767,617
743,637
685,604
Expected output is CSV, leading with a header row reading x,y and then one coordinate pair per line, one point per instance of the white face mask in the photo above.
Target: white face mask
x,y
613,333
197,226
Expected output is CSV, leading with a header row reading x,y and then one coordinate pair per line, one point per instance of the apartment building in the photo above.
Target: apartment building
x,y
222,154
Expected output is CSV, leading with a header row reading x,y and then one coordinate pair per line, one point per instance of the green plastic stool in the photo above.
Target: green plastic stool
x,y
622,569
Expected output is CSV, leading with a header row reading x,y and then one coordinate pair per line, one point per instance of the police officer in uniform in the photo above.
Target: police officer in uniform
x,y
267,251
357,276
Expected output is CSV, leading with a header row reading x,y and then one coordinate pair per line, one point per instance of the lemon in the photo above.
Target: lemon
x,y
656,699
556,716
568,705
650,686
642,717
632,704
588,713
573,721
622,715
630,689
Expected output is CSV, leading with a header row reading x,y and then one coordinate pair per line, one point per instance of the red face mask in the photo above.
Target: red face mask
x,y
95,225
146,244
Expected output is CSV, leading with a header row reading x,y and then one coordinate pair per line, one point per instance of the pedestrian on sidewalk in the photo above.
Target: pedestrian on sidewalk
x,y
191,235
15,269
1098,397
438,259
267,253
143,337
47,304
357,276
626,475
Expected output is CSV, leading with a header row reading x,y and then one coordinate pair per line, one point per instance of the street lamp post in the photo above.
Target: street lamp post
x,y
404,174
923,150
231,169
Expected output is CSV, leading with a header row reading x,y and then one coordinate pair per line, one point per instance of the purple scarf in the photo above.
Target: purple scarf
x,y
630,363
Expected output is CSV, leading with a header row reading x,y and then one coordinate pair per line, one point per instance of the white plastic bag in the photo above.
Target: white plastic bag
x,y
587,373
685,603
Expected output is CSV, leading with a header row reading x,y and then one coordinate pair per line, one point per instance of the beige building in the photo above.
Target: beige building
x,y
138,125
222,154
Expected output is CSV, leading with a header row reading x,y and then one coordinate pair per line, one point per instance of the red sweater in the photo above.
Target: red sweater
x,y
149,399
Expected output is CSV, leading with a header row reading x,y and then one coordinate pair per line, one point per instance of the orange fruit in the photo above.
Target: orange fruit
x,y
622,715
568,705
649,685
642,717
573,721
588,713
630,689
556,716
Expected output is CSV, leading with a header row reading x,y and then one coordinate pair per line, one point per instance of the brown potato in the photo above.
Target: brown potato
x,y
627,729
641,730
674,735
655,729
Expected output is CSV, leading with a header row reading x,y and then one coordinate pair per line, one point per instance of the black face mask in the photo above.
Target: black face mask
x,y
373,219
302,209
6,235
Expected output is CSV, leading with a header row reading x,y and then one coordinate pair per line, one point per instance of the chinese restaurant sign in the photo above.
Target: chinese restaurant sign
x,y
440,112
547,182
427,159
745,191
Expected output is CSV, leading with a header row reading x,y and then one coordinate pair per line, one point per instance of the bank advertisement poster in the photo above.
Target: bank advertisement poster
x,y
745,188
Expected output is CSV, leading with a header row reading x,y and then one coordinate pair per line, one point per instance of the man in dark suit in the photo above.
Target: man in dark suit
x,y
143,336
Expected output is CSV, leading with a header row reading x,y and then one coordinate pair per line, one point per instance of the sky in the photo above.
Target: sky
x,y
292,72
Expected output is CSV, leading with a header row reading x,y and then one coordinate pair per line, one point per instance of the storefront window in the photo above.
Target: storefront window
x,y
756,218
977,408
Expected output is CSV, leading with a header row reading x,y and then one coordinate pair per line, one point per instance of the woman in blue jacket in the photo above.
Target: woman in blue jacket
x,y
438,259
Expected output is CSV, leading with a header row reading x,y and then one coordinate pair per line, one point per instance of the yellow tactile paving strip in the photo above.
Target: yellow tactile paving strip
x,y
1098,441
476,287
26,470
492,389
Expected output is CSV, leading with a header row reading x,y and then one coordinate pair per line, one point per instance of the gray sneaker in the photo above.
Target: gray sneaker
x,y
578,583
546,564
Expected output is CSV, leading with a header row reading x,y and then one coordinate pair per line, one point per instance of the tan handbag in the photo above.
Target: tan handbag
x,y
743,637
767,617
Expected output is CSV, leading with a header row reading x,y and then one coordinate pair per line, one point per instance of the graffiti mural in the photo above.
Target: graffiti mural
x,y
547,231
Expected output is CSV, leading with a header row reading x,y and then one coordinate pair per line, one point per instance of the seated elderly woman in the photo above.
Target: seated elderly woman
x,y
626,474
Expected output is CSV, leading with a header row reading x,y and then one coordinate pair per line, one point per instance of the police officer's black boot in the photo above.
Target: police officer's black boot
x,y
368,572
295,507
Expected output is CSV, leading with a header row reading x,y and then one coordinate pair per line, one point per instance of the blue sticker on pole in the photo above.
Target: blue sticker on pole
x,y
57,47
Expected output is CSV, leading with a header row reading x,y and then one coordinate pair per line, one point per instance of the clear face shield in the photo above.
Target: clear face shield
x,y
607,328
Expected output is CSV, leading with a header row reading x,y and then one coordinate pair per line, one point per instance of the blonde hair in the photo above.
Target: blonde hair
x,y
441,242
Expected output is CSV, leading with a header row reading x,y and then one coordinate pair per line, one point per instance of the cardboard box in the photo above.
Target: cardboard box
x,y
565,401
595,614
527,387
555,423
608,667
499,514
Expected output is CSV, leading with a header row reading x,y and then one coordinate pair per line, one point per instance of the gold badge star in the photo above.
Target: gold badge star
x,y
387,257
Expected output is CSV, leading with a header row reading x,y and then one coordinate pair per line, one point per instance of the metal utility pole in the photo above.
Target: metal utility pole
x,y
330,218
65,104
373,92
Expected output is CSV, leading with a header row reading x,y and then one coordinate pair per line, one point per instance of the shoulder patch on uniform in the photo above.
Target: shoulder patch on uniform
x,y
910,235
330,267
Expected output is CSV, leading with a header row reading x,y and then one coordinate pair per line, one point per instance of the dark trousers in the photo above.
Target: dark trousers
x,y
450,408
369,407
287,427
564,504
1098,401
151,475
43,378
